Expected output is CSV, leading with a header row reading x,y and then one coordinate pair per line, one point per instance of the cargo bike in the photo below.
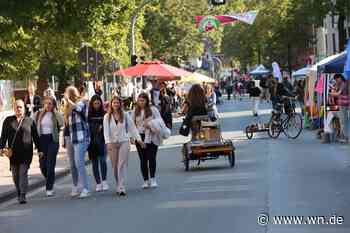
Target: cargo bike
x,y
207,143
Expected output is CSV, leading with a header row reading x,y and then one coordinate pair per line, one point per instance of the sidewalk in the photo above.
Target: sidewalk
x,y
7,188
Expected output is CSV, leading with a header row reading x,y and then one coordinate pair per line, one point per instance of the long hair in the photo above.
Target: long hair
x,y
119,111
42,113
92,110
148,111
74,96
196,96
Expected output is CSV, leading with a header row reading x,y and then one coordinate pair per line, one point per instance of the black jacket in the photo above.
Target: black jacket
x,y
37,104
97,144
23,144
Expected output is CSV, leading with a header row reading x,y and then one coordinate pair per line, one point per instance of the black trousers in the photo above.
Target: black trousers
x,y
148,159
20,177
48,160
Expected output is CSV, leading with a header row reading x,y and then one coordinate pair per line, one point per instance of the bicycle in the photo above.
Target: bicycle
x,y
290,122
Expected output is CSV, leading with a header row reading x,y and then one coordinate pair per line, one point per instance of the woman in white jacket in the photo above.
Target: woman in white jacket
x,y
117,126
143,114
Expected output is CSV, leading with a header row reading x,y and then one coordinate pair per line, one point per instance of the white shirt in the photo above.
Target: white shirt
x,y
114,133
149,135
47,124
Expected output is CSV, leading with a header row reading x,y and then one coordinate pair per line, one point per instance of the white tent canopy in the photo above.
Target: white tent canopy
x,y
197,78
259,70
301,72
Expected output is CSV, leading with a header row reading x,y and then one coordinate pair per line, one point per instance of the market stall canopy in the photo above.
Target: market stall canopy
x,y
153,68
334,66
197,78
301,72
259,70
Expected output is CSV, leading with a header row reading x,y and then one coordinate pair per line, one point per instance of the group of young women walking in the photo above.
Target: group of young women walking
x,y
89,128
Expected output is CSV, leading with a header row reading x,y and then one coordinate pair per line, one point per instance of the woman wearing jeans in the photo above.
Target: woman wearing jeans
x,y
70,154
117,126
75,115
49,123
142,115
97,152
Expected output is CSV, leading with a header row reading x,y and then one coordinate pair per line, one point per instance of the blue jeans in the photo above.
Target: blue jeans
x,y
48,160
79,158
70,154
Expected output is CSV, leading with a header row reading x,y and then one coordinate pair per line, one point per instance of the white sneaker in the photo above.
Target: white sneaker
x,y
146,184
98,187
75,191
153,183
50,193
85,193
105,186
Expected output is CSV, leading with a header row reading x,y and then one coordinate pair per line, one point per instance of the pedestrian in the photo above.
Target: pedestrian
x,y
343,101
75,116
265,89
19,132
49,123
67,144
254,92
117,126
32,101
142,115
211,103
97,151
166,107
300,92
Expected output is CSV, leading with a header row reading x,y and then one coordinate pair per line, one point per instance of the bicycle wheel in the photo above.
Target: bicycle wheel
x,y
293,126
274,129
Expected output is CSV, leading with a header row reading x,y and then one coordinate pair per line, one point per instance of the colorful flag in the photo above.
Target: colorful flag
x,y
207,23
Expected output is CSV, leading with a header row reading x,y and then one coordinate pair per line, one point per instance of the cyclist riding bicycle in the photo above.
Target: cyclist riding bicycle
x,y
282,98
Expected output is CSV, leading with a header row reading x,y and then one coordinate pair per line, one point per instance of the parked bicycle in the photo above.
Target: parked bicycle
x,y
289,122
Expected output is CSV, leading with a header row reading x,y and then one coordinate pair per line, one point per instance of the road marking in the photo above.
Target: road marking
x,y
250,202
15,213
222,177
215,189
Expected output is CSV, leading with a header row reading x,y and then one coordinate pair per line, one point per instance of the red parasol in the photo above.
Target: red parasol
x,y
153,68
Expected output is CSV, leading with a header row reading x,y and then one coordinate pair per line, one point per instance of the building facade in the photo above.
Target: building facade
x,y
328,36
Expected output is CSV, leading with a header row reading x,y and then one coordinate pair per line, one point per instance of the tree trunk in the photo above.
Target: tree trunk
x,y
43,73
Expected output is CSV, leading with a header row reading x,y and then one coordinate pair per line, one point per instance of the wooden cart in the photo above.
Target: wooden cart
x,y
206,143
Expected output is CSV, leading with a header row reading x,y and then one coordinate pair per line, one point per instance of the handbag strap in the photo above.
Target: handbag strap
x,y
18,127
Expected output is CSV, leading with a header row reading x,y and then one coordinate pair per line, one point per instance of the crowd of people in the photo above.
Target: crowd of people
x,y
90,126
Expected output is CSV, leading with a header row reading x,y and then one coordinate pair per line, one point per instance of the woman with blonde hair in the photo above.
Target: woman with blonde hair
x,y
49,123
76,119
117,126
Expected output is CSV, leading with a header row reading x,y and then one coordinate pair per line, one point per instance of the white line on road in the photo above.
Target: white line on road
x,y
249,202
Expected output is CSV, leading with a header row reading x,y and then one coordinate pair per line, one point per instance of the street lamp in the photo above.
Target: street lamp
x,y
135,14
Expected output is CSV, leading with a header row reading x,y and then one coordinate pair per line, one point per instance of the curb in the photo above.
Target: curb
x,y
7,196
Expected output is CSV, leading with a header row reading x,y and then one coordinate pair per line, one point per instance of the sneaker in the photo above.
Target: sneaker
x,y
122,194
105,186
50,193
98,187
153,183
75,191
146,184
85,193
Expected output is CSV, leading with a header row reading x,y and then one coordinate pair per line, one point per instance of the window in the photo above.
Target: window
x,y
334,44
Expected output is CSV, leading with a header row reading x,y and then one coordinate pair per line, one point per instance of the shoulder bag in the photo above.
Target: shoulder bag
x,y
7,151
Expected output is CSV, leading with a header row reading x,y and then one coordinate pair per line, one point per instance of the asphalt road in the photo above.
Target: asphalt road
x,y
274,177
